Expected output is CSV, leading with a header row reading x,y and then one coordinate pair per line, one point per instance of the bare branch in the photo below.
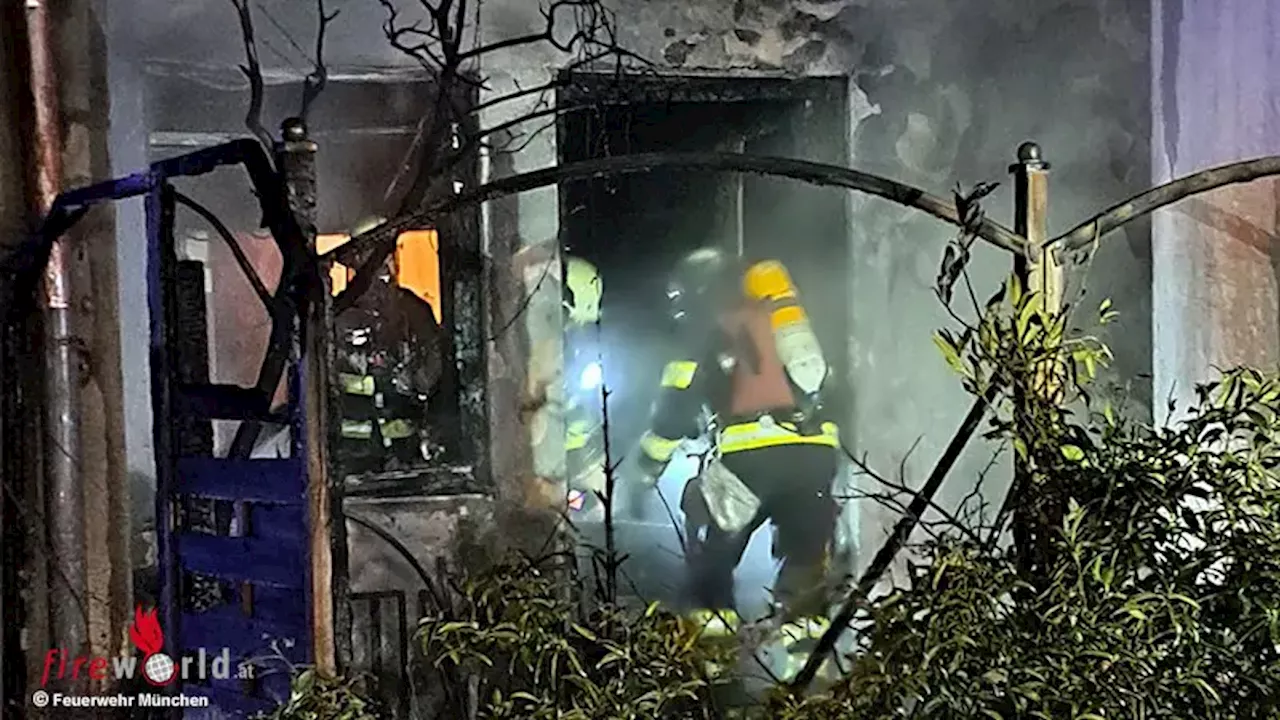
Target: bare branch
x,y
899,487
894,544
434,41
252,70
316,80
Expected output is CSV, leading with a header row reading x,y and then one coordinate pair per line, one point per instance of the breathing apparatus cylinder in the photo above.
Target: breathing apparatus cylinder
x,y
793,335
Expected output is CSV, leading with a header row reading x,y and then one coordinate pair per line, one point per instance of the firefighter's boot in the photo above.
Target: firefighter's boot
x,y
799,639
716,630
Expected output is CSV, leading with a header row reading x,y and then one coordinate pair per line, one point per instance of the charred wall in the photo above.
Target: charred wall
x,y
941,93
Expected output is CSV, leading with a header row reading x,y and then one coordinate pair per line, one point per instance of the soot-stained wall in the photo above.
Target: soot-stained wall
x,y
941,92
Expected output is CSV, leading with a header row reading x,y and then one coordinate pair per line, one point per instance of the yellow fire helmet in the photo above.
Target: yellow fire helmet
x,y
583,291
366,224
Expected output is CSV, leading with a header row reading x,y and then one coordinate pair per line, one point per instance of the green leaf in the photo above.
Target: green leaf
x,y
1072,453
1030,309
950,352
995,676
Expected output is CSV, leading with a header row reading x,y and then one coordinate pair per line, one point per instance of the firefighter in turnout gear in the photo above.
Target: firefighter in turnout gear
x,y
751,376
584,417
388,367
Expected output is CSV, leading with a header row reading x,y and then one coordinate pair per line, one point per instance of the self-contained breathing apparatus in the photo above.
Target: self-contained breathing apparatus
x,y
794,340
769,367
709,289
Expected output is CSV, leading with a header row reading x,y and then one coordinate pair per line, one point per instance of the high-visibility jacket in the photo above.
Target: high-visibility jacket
x,y
366,405
392,323
741,376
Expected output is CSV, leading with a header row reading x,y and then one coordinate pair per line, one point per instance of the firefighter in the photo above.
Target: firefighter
x,y
749,357
584,417
389,364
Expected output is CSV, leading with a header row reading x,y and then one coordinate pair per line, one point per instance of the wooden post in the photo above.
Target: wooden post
x,y
1037,268
296,156
1038,271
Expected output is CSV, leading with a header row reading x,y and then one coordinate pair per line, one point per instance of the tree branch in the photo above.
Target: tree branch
x,y
316,80
252,70
894,543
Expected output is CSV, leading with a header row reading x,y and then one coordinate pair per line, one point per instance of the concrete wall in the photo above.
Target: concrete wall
x,y
942,93
1215,101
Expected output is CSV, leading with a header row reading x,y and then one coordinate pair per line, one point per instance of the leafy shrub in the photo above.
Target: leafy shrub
x,y
313,696
521,645
1148,582
1133,572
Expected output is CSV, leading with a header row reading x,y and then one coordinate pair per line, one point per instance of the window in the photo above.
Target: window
x,y
364,124
417,264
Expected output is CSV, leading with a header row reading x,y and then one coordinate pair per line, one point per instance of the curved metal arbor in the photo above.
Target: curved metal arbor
x,y
21,269
380,240
1034,254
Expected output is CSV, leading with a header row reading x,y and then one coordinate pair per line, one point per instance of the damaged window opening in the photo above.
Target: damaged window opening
x,y
630,231
423,438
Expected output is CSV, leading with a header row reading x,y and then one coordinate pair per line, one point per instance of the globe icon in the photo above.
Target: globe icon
x,y
159,669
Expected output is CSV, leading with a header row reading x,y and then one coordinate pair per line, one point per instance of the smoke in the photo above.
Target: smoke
x,y
946,91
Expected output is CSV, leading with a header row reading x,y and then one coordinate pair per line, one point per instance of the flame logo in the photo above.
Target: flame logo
x,y
157,668
145,632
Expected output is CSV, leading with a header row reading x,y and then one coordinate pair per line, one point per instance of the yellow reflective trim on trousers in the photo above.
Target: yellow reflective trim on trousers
x,y
578,434
803,630
657,447
396,429
356,384
755,435
679,374
357,429
712,623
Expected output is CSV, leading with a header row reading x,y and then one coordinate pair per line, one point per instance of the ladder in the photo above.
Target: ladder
x,y
233,533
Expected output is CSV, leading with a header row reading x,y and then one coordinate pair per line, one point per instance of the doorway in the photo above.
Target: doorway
x,y
634,228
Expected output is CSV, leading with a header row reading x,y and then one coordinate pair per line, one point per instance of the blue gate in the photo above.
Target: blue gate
x,y
232,532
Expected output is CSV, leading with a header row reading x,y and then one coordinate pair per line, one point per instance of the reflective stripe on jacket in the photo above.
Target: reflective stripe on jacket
x,y
389,429
362,385
682,394
768,433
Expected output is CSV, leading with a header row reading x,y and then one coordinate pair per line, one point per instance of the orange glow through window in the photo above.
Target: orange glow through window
x,y
417,264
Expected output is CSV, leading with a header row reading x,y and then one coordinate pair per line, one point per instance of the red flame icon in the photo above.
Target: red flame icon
x,y
145,632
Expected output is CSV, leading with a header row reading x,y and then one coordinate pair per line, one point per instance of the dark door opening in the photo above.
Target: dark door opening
x,y
634,228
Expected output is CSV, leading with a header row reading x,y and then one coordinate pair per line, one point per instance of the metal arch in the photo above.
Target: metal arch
x,y
381,238
437,595
1160,196
233,245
